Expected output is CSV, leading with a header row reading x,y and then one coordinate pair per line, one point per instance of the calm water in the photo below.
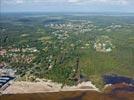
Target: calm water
x,y
114,79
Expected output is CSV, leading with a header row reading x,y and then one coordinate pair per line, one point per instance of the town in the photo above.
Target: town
x,y
67,50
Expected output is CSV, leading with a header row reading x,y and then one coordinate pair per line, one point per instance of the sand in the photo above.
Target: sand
x,y
48,86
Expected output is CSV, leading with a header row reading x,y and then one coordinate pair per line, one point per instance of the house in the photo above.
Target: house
x,y
3,52
2,65
7,72
103,47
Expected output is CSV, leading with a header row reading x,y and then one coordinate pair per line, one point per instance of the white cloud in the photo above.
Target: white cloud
x,y
19,1
108,2
73,1
13,1
101,1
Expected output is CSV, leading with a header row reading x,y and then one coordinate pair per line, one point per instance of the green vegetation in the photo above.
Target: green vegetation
x,y
62,50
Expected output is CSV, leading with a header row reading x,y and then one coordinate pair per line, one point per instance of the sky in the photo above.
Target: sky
x,y
67,5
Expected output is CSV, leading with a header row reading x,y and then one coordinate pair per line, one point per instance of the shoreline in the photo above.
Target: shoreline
x,y
71,90
46,87
69,95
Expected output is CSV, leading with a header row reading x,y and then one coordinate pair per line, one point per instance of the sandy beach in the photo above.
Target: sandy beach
x,y
48,86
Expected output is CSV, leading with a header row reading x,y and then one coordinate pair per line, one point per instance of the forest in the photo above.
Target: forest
x,y
67,48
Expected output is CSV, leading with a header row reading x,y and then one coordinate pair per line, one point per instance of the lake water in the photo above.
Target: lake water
x,y
114,79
